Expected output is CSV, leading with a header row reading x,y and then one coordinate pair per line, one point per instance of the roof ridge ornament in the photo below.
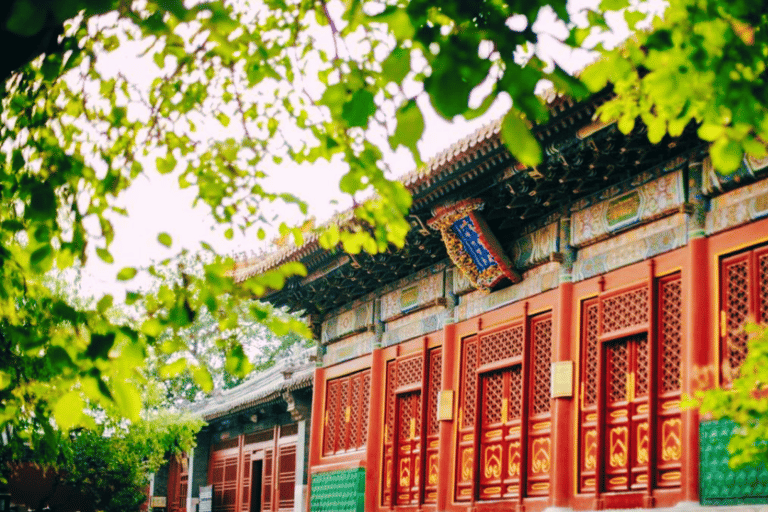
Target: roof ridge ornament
x,y
471,244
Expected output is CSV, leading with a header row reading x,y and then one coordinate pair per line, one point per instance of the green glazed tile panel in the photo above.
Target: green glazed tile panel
x,y
338,491
719,484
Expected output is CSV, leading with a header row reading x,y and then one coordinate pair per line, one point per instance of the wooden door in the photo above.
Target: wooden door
x,y
626,414
500,433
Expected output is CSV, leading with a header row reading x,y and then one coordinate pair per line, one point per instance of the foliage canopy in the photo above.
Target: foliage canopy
x,y
232,88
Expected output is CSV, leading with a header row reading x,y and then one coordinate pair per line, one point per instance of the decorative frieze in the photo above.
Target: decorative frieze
x,y
535,248
738,207
349,322
630,247
420,324
652,200
714,182
537,280
349,348
419,294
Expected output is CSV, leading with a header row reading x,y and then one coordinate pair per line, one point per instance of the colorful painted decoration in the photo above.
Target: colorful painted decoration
x,y
471,245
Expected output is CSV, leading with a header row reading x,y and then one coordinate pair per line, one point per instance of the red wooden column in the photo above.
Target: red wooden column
x,y
318,404
697,355
562,408
374,441
447,446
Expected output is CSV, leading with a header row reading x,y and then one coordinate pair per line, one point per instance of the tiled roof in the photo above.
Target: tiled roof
x,y
440,166
261,389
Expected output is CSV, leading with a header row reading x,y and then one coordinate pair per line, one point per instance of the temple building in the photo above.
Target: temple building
x,y
529,346
252,454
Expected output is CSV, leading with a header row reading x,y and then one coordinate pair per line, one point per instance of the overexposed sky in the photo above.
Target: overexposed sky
x,y
156,204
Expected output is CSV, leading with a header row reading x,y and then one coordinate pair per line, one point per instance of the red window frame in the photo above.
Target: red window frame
x,y
411,429
743,298
347,405
515,452
630,424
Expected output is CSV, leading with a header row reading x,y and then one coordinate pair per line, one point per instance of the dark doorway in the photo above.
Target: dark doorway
x,y
256,471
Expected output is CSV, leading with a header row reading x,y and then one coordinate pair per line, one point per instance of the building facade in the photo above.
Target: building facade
x,y
252,455
530,345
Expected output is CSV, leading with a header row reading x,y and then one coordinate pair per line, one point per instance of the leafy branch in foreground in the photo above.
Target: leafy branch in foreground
x,y
230,91
744,402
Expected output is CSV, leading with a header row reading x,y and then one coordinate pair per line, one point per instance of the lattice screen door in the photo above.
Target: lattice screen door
x,y
626,414
500,438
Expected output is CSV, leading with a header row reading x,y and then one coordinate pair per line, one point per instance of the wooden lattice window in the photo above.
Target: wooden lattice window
x,y
267,479
224,476
670,356
504,412
411,429
286,476
743,298
629,370
347,403
433,425
178,483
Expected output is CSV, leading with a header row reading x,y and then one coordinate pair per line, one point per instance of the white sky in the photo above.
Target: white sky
x,y
156,204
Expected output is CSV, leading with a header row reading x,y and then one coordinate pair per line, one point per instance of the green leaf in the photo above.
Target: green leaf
x,y
399,23
5,380
519,139
100,346
657,128
410,128
126,274
165,239
127,398
175,7
613,5
626,123
633,18
42,258
359,108
711,132
397,65
104,255
166,165
237,362
202,377
152,327
223,118
65,259
104,303
59,358
25,18
181,314
754,147
595,76
173,369
726,155
68,410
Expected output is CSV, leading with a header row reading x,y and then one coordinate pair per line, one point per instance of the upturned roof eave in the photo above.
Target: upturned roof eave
x,y
441,168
